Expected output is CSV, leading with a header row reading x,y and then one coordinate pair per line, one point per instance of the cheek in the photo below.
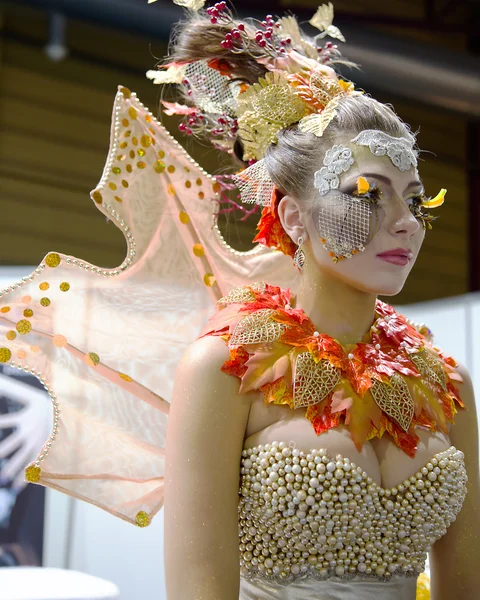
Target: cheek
x,y
345,224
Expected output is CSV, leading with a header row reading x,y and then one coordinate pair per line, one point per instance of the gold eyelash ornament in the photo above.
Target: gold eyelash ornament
x,y
427,218
437,201
362,186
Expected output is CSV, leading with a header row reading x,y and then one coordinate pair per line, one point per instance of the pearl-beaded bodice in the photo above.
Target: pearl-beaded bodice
x,y
307,514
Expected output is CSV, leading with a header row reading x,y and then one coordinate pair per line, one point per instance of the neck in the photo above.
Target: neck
x,y
335,307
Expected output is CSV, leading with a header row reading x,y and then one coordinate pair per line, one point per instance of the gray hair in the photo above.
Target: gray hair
x,y
292,162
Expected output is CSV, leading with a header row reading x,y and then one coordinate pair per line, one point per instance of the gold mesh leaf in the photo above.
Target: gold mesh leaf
x,y
313,381
254,184
242,294
264,109
257,328
317,123
395,400
430,367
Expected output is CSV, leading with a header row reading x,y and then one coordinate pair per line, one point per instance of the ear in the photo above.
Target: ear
x,y
291,218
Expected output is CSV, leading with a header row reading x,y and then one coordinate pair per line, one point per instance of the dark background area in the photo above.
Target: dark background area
x,y
420,56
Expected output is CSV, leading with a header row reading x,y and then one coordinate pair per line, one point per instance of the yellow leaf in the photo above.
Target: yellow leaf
x,y
266,367
362,185
437,201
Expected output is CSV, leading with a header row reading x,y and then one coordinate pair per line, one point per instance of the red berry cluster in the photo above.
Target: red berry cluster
x,y
228,126
215,11
266,36
328,51
234,34
193,120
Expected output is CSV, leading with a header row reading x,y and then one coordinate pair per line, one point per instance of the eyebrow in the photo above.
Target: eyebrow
x,y
412,184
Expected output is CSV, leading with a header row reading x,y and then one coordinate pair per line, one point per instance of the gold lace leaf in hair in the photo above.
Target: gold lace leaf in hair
x,y
289,28
316,88
317,123
257,328
323,20
266,108
395,400
313,381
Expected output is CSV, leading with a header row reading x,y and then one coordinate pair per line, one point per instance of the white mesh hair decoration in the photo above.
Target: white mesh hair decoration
x,y
343,223
254,184
210,91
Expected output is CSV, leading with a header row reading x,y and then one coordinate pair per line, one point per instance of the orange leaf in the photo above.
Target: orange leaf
x,y
235,365
363,412
278,392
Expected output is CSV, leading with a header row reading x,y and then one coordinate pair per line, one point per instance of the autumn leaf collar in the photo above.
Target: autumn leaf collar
x,y
392,381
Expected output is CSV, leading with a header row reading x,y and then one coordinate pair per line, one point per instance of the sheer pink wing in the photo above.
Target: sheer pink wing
x,y
105,342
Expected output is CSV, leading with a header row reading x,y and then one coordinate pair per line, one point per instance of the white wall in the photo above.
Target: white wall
x,y
82,537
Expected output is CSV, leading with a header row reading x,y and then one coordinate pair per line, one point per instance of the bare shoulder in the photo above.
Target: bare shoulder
x,y
209,352
201,365
207,393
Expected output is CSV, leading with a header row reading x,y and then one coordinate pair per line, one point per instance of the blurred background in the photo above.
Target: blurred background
x,y
60,64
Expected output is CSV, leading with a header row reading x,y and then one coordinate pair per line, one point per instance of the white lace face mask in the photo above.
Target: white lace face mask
x,y
346,223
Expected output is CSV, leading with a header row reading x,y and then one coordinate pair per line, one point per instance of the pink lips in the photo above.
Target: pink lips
x,y
399,256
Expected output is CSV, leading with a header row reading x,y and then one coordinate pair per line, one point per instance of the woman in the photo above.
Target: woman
x,y
366,209
348,470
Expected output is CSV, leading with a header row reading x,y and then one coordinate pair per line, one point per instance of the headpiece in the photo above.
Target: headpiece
x,y
297,85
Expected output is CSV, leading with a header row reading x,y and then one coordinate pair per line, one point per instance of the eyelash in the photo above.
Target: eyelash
x,y
374,194
416,208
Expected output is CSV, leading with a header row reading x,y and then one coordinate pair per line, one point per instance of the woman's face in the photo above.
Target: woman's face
x,y
392,226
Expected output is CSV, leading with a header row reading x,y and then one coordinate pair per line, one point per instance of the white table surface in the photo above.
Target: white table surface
x,y
39,583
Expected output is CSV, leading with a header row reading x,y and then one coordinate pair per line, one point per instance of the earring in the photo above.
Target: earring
x,y
299,257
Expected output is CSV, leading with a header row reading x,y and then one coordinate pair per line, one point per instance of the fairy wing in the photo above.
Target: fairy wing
x,y
105,342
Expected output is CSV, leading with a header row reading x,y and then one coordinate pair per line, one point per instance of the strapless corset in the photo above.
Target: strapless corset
x,y
310,515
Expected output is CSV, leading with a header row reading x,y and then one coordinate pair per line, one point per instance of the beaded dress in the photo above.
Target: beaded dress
x,y
105,344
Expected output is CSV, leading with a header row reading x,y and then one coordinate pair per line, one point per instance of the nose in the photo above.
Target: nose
x,y
402,220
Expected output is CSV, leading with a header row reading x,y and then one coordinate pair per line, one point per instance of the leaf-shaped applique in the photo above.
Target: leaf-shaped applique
x,y
407,442
266,366
324,347
278,392
321,416
425,399
223,320
363,412
235,365
340,400
174,108
313,381
318,122
452,373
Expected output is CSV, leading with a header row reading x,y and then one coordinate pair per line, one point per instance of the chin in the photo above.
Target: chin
x,y
380,288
